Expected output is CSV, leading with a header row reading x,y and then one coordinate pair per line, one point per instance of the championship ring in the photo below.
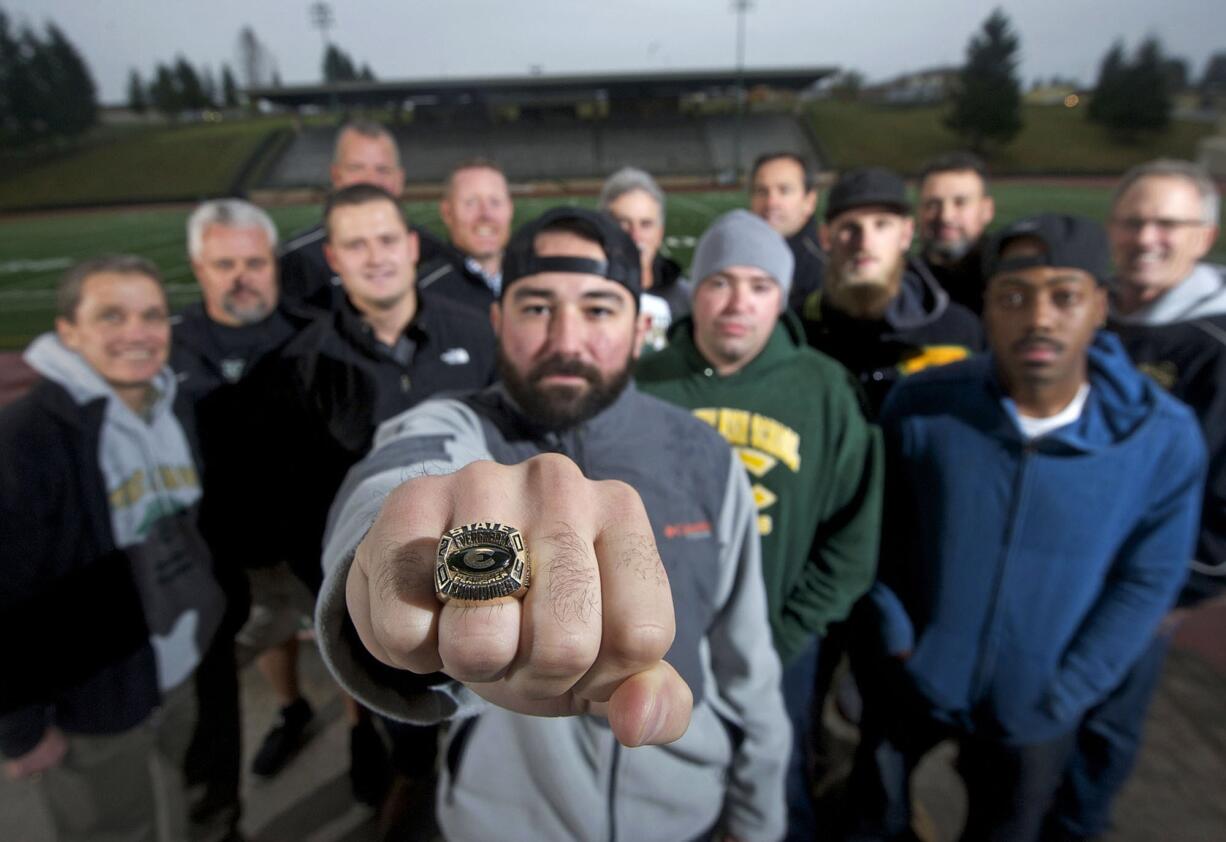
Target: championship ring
x,y
481,561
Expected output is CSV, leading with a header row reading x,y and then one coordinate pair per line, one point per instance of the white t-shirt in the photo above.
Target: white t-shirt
x,y
1033,428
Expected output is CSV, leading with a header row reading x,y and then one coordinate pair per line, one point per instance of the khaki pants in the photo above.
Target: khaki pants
x,y
125,787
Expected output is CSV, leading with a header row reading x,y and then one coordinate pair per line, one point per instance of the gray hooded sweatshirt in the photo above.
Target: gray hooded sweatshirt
x,y
151,480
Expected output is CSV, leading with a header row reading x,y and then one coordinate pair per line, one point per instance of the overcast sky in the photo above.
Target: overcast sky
x,y
402,40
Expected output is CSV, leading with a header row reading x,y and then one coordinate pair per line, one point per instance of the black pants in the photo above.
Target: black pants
x,y
214,757
1009,788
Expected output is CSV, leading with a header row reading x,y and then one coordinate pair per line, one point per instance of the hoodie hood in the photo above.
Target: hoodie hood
x,y
55,361
920,299
1198,296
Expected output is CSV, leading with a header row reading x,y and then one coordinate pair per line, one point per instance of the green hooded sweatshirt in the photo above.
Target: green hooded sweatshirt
x,y
814,462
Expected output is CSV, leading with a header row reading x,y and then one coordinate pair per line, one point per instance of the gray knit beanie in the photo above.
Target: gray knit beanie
x,y
738,238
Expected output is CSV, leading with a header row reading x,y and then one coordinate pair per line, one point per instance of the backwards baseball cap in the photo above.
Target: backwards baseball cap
x,y
864,187
1072,242
740,238
621,263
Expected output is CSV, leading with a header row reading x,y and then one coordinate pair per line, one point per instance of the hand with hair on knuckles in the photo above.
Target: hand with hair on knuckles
x,y
588,635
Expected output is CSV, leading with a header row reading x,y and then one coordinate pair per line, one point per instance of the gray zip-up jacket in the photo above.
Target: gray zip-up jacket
x,y
510,776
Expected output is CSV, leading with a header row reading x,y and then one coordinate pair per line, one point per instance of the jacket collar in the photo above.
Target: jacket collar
x,y
786,340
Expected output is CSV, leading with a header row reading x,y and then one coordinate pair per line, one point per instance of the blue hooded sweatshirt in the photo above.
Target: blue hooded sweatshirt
x,y
1025,577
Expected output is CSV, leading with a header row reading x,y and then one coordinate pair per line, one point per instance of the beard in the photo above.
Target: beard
x,y
947,253
249,314
863,298
557,408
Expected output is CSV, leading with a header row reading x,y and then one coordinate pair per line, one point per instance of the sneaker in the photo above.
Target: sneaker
x,y
285,738
370,769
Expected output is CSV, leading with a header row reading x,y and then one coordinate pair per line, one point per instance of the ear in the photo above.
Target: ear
x,y
823,236
642,322
1100,305
987,210
810,203
67,332
330,256
414,247
907,234
445,212
1209,237
496,317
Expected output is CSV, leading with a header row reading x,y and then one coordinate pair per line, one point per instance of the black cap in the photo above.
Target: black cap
x,y
1072,242
621,263
868,186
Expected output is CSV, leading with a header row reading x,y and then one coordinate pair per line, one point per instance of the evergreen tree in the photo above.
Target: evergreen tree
x,y
8,72
987,98
164,92
1111,90
208,84
191,92
76,92
136,93
366,74
1133,96
338,66
229,90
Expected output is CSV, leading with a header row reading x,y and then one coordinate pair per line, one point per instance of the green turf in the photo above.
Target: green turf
x,y
34,250
1054,139
171,164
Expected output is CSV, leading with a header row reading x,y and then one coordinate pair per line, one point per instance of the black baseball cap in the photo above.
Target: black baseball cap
x,y
1069,241
867,186
621,263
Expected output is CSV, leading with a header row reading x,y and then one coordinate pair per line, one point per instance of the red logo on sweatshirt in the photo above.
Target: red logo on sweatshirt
x,y
697,529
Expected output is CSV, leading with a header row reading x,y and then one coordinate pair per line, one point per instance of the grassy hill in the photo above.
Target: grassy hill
x,y
178,163
1054,140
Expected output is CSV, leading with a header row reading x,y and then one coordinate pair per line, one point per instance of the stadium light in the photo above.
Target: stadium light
x,y
322,19
741,7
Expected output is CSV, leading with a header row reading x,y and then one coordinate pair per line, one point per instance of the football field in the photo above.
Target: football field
x,y
35,249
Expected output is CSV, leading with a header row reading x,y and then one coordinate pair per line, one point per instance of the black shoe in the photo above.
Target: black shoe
x,y
285,738
370,770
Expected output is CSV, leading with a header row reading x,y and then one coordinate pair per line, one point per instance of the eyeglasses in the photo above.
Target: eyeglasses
x,y
1136,224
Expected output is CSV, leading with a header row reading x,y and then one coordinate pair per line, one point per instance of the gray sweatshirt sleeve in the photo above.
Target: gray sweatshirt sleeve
x,y
434,438
747,673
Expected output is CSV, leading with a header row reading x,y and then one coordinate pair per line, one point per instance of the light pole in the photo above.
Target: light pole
x,y
740,7
322,19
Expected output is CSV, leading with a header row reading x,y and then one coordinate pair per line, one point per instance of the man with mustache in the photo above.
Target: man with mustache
x,y
1169,309
1041,504
316,404
476,208
741,364
955,209
880,314
644,619
215,343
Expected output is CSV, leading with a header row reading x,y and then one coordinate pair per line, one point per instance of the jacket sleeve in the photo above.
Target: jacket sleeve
x,y
437,437
844,554
1146,577
747,674
895,629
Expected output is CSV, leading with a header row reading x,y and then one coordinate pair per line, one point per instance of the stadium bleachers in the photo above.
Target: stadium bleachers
x,y
554,148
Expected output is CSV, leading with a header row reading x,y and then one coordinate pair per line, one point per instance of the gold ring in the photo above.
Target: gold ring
x,y
481,561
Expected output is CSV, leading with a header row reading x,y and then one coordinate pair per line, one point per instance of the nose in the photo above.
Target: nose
x,y
1042,312
565,331
1149,233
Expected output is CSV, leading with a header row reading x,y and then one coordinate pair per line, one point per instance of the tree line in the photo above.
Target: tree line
x,y
1133,95
46,91
178,87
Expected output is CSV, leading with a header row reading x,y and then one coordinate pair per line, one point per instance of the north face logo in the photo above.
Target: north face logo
x,y
697,529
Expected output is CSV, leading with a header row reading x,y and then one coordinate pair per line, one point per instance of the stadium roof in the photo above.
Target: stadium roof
x,y
538,88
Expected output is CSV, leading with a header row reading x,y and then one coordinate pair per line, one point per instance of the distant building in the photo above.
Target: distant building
x,y
921,87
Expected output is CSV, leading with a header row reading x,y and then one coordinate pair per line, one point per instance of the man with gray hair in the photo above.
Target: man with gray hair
x,y
365,153
216,342
1169,308
740,362
635,200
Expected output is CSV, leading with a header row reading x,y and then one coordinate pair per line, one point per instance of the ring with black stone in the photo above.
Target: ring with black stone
x,y
481,561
